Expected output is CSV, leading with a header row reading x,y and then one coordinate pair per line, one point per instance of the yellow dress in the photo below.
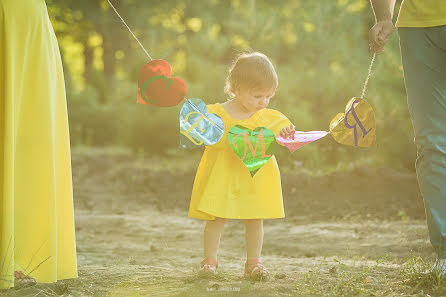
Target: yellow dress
x,y
36,202
223,186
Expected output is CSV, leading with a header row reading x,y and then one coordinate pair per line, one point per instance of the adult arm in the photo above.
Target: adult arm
x,y
383,10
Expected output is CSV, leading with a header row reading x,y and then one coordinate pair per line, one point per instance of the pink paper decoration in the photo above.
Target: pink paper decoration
x,y
300,139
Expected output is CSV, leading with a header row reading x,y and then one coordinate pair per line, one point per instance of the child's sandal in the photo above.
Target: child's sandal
x,y
208,267
256,270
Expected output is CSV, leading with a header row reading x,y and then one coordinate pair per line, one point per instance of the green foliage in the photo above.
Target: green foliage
x,y
417,274
121,123
319,49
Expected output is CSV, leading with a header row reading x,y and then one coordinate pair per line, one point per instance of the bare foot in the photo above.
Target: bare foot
x,y
22,278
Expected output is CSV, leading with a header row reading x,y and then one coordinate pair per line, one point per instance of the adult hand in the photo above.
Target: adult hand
x,y
378,35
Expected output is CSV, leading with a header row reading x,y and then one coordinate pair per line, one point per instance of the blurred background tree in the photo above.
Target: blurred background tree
x,y
319,49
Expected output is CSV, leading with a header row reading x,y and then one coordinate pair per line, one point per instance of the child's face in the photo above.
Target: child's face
x,y
255,100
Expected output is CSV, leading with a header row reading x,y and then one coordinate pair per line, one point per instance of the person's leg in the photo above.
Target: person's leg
x,y
423,52
212,233
254,242
253,238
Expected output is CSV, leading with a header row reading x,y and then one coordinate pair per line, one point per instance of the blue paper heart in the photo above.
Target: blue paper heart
x,y
197,126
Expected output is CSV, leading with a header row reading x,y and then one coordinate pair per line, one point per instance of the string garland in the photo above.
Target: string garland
x,y
130,30
369,74
339,136
364,88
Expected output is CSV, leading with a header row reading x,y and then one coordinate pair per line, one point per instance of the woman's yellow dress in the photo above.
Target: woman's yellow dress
x,y
223,186
36,202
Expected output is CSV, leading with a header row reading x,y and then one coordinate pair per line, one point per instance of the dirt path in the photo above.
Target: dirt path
x,y
133,241
152,254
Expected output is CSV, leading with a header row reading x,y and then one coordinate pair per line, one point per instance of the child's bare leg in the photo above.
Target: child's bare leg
x,y
254,241
253,238
212,233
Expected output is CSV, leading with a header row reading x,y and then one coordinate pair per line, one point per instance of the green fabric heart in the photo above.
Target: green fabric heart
x,y
253,148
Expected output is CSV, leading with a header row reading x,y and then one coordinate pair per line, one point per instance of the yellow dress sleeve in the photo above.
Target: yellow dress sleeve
x,y
277,121
211,108
215,109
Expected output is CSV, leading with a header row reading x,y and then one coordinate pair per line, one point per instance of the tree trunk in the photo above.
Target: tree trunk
x,y
88,61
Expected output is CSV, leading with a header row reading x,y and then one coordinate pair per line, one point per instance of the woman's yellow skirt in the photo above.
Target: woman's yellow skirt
x,y
36,201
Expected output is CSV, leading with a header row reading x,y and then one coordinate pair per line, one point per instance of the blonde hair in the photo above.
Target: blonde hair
x,y
253,71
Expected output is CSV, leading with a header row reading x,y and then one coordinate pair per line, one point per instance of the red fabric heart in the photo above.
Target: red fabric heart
x,y
158,87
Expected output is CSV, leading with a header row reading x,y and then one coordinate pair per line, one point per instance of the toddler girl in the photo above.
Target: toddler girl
x,y
223,187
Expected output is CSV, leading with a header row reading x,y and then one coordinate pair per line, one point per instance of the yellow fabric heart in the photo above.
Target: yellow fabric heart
x,y
355,127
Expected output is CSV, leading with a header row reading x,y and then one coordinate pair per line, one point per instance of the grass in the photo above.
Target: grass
x,y
330,277
413,278
416,274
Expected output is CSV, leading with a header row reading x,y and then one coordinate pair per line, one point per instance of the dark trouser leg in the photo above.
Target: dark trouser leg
x,y
423,52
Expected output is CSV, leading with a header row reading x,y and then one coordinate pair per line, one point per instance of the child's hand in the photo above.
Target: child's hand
x,y
288,132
